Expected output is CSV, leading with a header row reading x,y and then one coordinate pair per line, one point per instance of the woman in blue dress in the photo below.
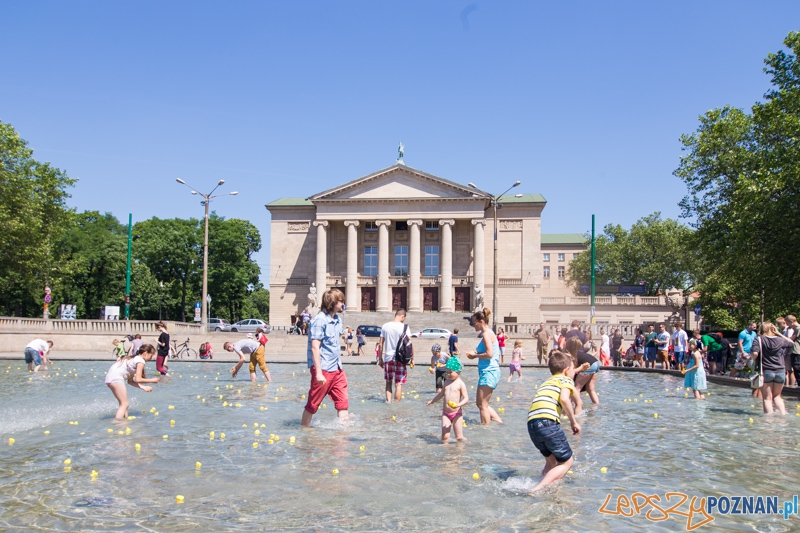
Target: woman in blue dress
x,y
488,354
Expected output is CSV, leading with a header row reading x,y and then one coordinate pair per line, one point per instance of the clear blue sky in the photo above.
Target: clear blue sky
x,y
583,102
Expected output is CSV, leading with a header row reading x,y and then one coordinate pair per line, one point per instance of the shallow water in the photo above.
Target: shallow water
x,y
403,480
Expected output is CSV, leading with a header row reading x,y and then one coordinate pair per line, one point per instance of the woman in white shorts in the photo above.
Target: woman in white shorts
x,y
129,369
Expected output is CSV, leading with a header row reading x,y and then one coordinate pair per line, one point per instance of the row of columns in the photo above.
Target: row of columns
x,y
383,302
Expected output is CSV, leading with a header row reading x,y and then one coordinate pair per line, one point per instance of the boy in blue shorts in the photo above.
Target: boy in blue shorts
x,y
544,419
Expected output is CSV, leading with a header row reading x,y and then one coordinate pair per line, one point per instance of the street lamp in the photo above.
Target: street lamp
x,y
206,200
494,203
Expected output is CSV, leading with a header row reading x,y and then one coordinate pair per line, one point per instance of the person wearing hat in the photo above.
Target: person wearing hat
x,y
438,361
455,397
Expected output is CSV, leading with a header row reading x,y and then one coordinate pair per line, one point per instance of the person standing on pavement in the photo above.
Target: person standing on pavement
x,y
662,345
543,343
393,371
680,341
324,359
452,343
650,349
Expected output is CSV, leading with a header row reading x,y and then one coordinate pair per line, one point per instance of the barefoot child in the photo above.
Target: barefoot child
x,y
544,419
119,349
130,369
514,365
695,374
455,397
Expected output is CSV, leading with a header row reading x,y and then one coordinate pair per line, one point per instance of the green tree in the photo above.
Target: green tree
x,y
33,217
655,252
742,172
172,249
233,275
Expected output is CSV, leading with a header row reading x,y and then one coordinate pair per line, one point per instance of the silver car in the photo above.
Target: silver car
x,y
218,324
249,325
432,333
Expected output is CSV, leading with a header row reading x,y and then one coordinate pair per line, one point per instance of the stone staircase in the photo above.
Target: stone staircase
x,y
415,320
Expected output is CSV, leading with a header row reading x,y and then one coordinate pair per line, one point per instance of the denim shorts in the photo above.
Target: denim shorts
x,y
594,369
774,377
680,357
32,356
549,438
650,353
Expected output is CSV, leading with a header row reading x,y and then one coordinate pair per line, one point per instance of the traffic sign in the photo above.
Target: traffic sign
x,y
48,298
697,310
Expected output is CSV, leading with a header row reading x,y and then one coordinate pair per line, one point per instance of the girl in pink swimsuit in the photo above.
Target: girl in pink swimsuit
x,y
455,397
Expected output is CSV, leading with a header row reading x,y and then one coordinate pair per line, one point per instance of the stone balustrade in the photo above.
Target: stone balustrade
x,y
113,327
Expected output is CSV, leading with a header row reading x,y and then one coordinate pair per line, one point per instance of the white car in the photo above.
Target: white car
x,y
432,333
250,325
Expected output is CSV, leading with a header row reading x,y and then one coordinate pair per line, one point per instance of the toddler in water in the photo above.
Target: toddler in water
x,y
438,362
455,397
514,365
129,369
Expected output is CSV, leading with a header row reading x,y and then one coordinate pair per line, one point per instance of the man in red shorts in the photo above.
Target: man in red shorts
x,y
327,374
393,371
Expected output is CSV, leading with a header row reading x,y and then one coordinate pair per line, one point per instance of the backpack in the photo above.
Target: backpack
x,y
203,348
405,350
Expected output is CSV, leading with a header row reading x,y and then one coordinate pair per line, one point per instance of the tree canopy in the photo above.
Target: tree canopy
x,y
742,172
654,252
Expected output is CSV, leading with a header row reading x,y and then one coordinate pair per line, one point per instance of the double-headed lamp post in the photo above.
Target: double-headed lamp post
x,y
206,200
494,203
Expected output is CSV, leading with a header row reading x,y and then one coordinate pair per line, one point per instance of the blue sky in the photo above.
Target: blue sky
x,y
582,102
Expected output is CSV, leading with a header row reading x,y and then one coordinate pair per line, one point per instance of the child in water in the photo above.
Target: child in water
x,y
544,419
455,397
695,373
514,365
129,369
438,362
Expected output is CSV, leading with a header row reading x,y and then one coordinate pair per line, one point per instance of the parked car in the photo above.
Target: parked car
x,y
250,325
432,333
218,324
370,331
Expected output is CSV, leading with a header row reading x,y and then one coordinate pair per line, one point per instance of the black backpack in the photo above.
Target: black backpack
x,y
405,350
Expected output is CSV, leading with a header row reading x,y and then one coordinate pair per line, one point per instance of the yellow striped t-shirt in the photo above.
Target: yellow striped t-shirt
x,y
546,403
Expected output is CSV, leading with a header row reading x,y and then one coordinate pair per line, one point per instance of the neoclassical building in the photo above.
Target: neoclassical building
x,y
403,238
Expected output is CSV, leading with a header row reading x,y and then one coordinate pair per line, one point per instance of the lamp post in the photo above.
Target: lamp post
x,y
206,200
494,202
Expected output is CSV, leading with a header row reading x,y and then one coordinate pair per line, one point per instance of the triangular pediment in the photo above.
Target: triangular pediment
x,y
398,182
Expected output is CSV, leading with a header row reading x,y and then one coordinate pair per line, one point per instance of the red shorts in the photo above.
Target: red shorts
x,y
335,386
392,370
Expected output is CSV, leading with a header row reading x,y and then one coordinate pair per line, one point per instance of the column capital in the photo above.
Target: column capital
x,y
382,222
417,222
323,223
447,222
476,221
352,223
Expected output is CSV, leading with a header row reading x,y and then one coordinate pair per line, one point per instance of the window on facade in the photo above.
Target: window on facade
x,y
401,226
431,260
370,226
546,273
575,256
546,257
560,272
560,257
431,225
370,260
401,260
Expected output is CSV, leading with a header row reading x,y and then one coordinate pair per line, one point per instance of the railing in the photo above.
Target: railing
x,y
147,327
462,280
528,330
429,280
553,300
297,281
626,300
605,300
367,280
509,281
650,300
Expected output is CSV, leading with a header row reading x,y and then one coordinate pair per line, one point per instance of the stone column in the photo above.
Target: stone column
x,y
322,258
414,290
478,261
446,266
382,303
351,298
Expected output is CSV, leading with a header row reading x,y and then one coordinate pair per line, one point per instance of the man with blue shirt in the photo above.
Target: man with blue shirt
x,y
746,338
680,342
327,374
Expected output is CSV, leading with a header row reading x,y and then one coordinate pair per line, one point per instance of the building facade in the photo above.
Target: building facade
x,y
403,238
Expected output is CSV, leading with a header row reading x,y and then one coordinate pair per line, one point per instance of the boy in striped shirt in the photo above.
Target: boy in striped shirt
x,y
544,419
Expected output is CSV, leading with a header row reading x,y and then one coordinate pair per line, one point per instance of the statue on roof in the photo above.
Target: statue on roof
x,y
400,152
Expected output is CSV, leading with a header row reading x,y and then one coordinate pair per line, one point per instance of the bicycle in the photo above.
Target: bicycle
x,y
183,351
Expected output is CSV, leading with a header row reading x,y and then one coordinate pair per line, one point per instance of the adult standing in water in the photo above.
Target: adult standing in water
x,y
36,353
163,348
488,354
324,360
